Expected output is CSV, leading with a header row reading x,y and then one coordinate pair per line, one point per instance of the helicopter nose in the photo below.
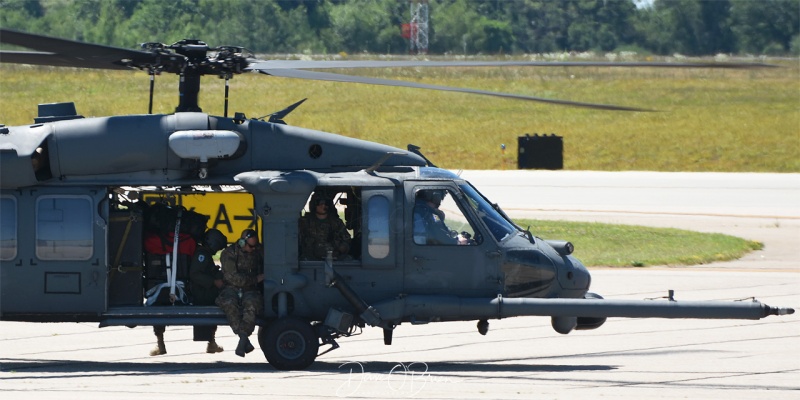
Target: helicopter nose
x,y
573,277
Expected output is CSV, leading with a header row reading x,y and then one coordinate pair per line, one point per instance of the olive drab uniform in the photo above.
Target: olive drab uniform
x,y
317,236
240,271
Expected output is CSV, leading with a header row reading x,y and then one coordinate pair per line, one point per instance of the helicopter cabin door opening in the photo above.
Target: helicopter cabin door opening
x,y
370,265
141,240
53,266
366,214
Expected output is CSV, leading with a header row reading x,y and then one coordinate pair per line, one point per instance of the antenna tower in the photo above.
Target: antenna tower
x,y
418,41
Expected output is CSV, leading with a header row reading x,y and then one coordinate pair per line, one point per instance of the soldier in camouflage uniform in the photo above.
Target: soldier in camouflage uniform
x,y
240,298
321,230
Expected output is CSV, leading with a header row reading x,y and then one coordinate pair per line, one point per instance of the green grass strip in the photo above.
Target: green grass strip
x,y
607,245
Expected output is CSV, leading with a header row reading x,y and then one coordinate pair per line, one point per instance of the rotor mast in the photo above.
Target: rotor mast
x,y
189,87
189,91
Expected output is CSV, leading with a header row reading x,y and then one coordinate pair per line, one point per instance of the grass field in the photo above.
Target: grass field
x,y
707,120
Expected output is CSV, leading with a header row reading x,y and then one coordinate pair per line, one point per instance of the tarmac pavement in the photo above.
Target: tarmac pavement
x,y
519,358
762,207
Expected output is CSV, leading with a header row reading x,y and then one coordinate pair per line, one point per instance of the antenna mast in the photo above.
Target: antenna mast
x,y
418,41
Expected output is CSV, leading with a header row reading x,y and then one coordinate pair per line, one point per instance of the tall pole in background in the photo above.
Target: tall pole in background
x,y
418,27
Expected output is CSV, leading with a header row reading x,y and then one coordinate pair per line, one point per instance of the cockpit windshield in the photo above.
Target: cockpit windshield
x,y
500,227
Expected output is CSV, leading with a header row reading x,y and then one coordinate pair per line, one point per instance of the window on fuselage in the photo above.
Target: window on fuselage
x,y
64,228
500,227
378,240
8,228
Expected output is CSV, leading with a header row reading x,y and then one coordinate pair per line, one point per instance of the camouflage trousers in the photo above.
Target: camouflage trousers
x,y
242,312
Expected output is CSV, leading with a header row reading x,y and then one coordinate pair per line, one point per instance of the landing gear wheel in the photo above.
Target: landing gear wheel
x,y
289,344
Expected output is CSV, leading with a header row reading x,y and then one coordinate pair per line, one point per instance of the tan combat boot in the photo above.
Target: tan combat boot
x,y
160,348
213,347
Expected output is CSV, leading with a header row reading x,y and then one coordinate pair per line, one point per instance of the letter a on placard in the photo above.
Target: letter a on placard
x,y
223,219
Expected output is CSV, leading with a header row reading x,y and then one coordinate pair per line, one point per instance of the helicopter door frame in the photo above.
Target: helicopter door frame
x,y
464,270
59,271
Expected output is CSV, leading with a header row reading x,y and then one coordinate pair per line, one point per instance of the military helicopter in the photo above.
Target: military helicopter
x,y
80,181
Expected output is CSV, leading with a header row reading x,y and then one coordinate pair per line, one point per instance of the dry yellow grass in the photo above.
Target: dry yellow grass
x,y
708,120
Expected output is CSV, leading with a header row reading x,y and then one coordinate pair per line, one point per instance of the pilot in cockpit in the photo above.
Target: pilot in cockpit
x,y
429,226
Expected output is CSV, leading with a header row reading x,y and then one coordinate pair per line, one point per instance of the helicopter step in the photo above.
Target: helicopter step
x,y
164,315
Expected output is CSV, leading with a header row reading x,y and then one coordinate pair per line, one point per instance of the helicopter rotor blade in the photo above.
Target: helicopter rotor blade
x,y
69,53
326,76
297,69
175,58
347,64
54,60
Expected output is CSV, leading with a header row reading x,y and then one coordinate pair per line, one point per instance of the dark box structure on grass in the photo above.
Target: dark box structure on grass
x,y
540,152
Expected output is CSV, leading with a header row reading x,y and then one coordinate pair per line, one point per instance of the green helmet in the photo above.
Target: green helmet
x,y
318,197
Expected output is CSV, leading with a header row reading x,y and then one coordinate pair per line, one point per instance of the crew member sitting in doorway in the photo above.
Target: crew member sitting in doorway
x,y
321,230
240,298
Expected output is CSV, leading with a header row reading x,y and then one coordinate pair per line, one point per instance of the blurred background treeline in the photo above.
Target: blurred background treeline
x,y
456,27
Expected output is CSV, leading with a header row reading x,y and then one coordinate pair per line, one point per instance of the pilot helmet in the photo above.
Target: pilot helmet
x,y
434,196
215,240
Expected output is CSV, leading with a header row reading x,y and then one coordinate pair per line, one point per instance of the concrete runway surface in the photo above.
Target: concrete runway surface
x,y
520,358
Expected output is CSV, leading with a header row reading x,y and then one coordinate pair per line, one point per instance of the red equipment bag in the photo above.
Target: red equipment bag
x,y
155,243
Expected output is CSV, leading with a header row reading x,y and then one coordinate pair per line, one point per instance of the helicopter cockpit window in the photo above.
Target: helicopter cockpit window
x,y
64,228
8,228
499,226
438,220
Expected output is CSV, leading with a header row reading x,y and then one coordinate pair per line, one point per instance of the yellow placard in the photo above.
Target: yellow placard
x,y
231,213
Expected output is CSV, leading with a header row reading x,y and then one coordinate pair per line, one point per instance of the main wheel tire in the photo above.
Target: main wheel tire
x,y
289,344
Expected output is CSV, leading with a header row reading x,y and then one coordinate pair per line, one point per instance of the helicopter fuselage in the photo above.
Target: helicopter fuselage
x,y
77,165
74,221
